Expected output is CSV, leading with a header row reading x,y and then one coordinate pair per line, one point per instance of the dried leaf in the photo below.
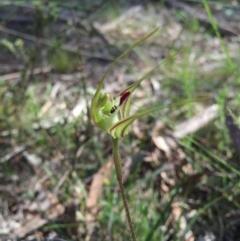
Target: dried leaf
x,y
95,193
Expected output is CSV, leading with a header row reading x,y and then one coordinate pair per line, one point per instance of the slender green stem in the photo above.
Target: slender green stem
x,y
118,167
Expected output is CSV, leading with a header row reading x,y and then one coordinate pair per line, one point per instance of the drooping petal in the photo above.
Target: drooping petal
x,y
121,128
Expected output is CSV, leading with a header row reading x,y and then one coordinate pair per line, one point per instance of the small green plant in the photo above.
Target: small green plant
x,y
64,62
112,116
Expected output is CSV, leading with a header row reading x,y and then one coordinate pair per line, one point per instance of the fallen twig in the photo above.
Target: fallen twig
x,y
167,143
73,49
17,75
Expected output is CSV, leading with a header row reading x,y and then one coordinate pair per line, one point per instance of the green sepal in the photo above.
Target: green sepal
x,y
121,128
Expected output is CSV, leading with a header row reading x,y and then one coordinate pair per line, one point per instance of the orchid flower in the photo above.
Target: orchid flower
x,y
112,115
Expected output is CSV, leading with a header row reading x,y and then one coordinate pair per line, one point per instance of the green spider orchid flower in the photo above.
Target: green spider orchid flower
x,y
112,115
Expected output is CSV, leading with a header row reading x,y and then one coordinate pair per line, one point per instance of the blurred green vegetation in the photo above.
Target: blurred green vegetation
x,y
196,184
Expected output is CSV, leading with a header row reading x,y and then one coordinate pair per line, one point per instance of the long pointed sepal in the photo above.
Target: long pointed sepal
x,y
121,128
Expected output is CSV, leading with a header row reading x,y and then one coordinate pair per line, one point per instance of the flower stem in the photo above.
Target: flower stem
x,y
118,167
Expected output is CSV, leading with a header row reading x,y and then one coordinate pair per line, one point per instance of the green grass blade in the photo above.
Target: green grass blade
x,y
215,27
